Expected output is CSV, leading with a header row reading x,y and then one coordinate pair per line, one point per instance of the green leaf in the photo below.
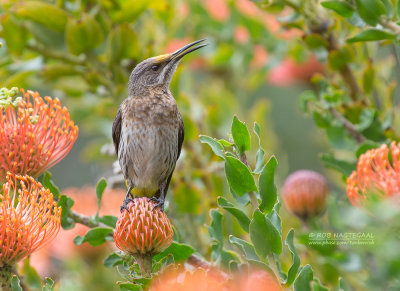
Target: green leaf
x,y
100,187
259,161
264,235
257,131
239,177
246,247
340,7
275,218
364,147
305,98
317,286
241,217
370,10
127,286
260,153
109,220
345,167
49,284
32,278
66,203
215,229
180,251
295,259
337,59
113,260
15,36
267,186
215,145
49,184
83,34
130,11
371,34
225,143
15,284
95,236
241,135
315,41
122,43
303,280
43,13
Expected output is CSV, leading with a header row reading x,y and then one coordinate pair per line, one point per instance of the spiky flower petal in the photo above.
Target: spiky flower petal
x,y
377,175
35,134
143,229
29,218
305,193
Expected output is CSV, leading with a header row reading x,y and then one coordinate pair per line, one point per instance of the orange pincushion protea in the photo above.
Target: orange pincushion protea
x,y
35,135
29,218
143,229
182,280
377,174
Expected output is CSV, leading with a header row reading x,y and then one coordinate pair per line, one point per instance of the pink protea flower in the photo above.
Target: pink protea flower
x,y
143,231
377,175
29,218
305,193
35,134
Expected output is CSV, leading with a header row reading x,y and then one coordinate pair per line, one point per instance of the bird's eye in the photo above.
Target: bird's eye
x,y
154,68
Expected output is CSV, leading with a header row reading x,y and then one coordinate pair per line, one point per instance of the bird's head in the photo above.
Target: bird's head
x,y
158,70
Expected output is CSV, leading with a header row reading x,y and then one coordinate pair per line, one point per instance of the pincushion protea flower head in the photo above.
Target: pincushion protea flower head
x,y
142,229
305,193
35,133
29,218
377,175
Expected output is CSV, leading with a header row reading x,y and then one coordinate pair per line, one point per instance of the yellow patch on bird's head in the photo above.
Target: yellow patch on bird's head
x,y
162,58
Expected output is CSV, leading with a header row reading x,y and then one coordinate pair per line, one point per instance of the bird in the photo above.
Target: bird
x,y
148,130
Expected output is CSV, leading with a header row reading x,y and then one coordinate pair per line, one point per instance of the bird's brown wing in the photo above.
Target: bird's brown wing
x,y
181,136
116,130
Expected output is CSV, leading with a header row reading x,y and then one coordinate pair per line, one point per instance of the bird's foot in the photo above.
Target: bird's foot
x,y
127,200
160,203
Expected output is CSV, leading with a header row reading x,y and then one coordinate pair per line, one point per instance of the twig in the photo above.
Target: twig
x,y
348,126
55,55
84,219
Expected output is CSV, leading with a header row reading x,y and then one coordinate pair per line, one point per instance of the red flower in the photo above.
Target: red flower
x,y
305,193
377,174
142,229
34,135
29,218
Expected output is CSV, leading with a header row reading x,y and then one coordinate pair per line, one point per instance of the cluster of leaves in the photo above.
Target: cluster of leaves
x,y
354,101
263,224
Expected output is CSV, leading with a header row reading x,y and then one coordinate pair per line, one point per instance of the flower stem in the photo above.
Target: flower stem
x,y
5,277
145,263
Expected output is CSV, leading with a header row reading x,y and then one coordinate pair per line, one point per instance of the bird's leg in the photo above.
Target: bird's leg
x,y
127,199
160,200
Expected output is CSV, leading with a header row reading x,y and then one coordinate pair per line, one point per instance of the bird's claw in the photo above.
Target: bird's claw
x,y
126,203
160,203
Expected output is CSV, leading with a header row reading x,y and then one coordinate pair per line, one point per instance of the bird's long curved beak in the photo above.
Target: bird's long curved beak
x,y
180,53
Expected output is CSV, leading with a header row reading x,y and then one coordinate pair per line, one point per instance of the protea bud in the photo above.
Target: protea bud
x,y
143,231
305,193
